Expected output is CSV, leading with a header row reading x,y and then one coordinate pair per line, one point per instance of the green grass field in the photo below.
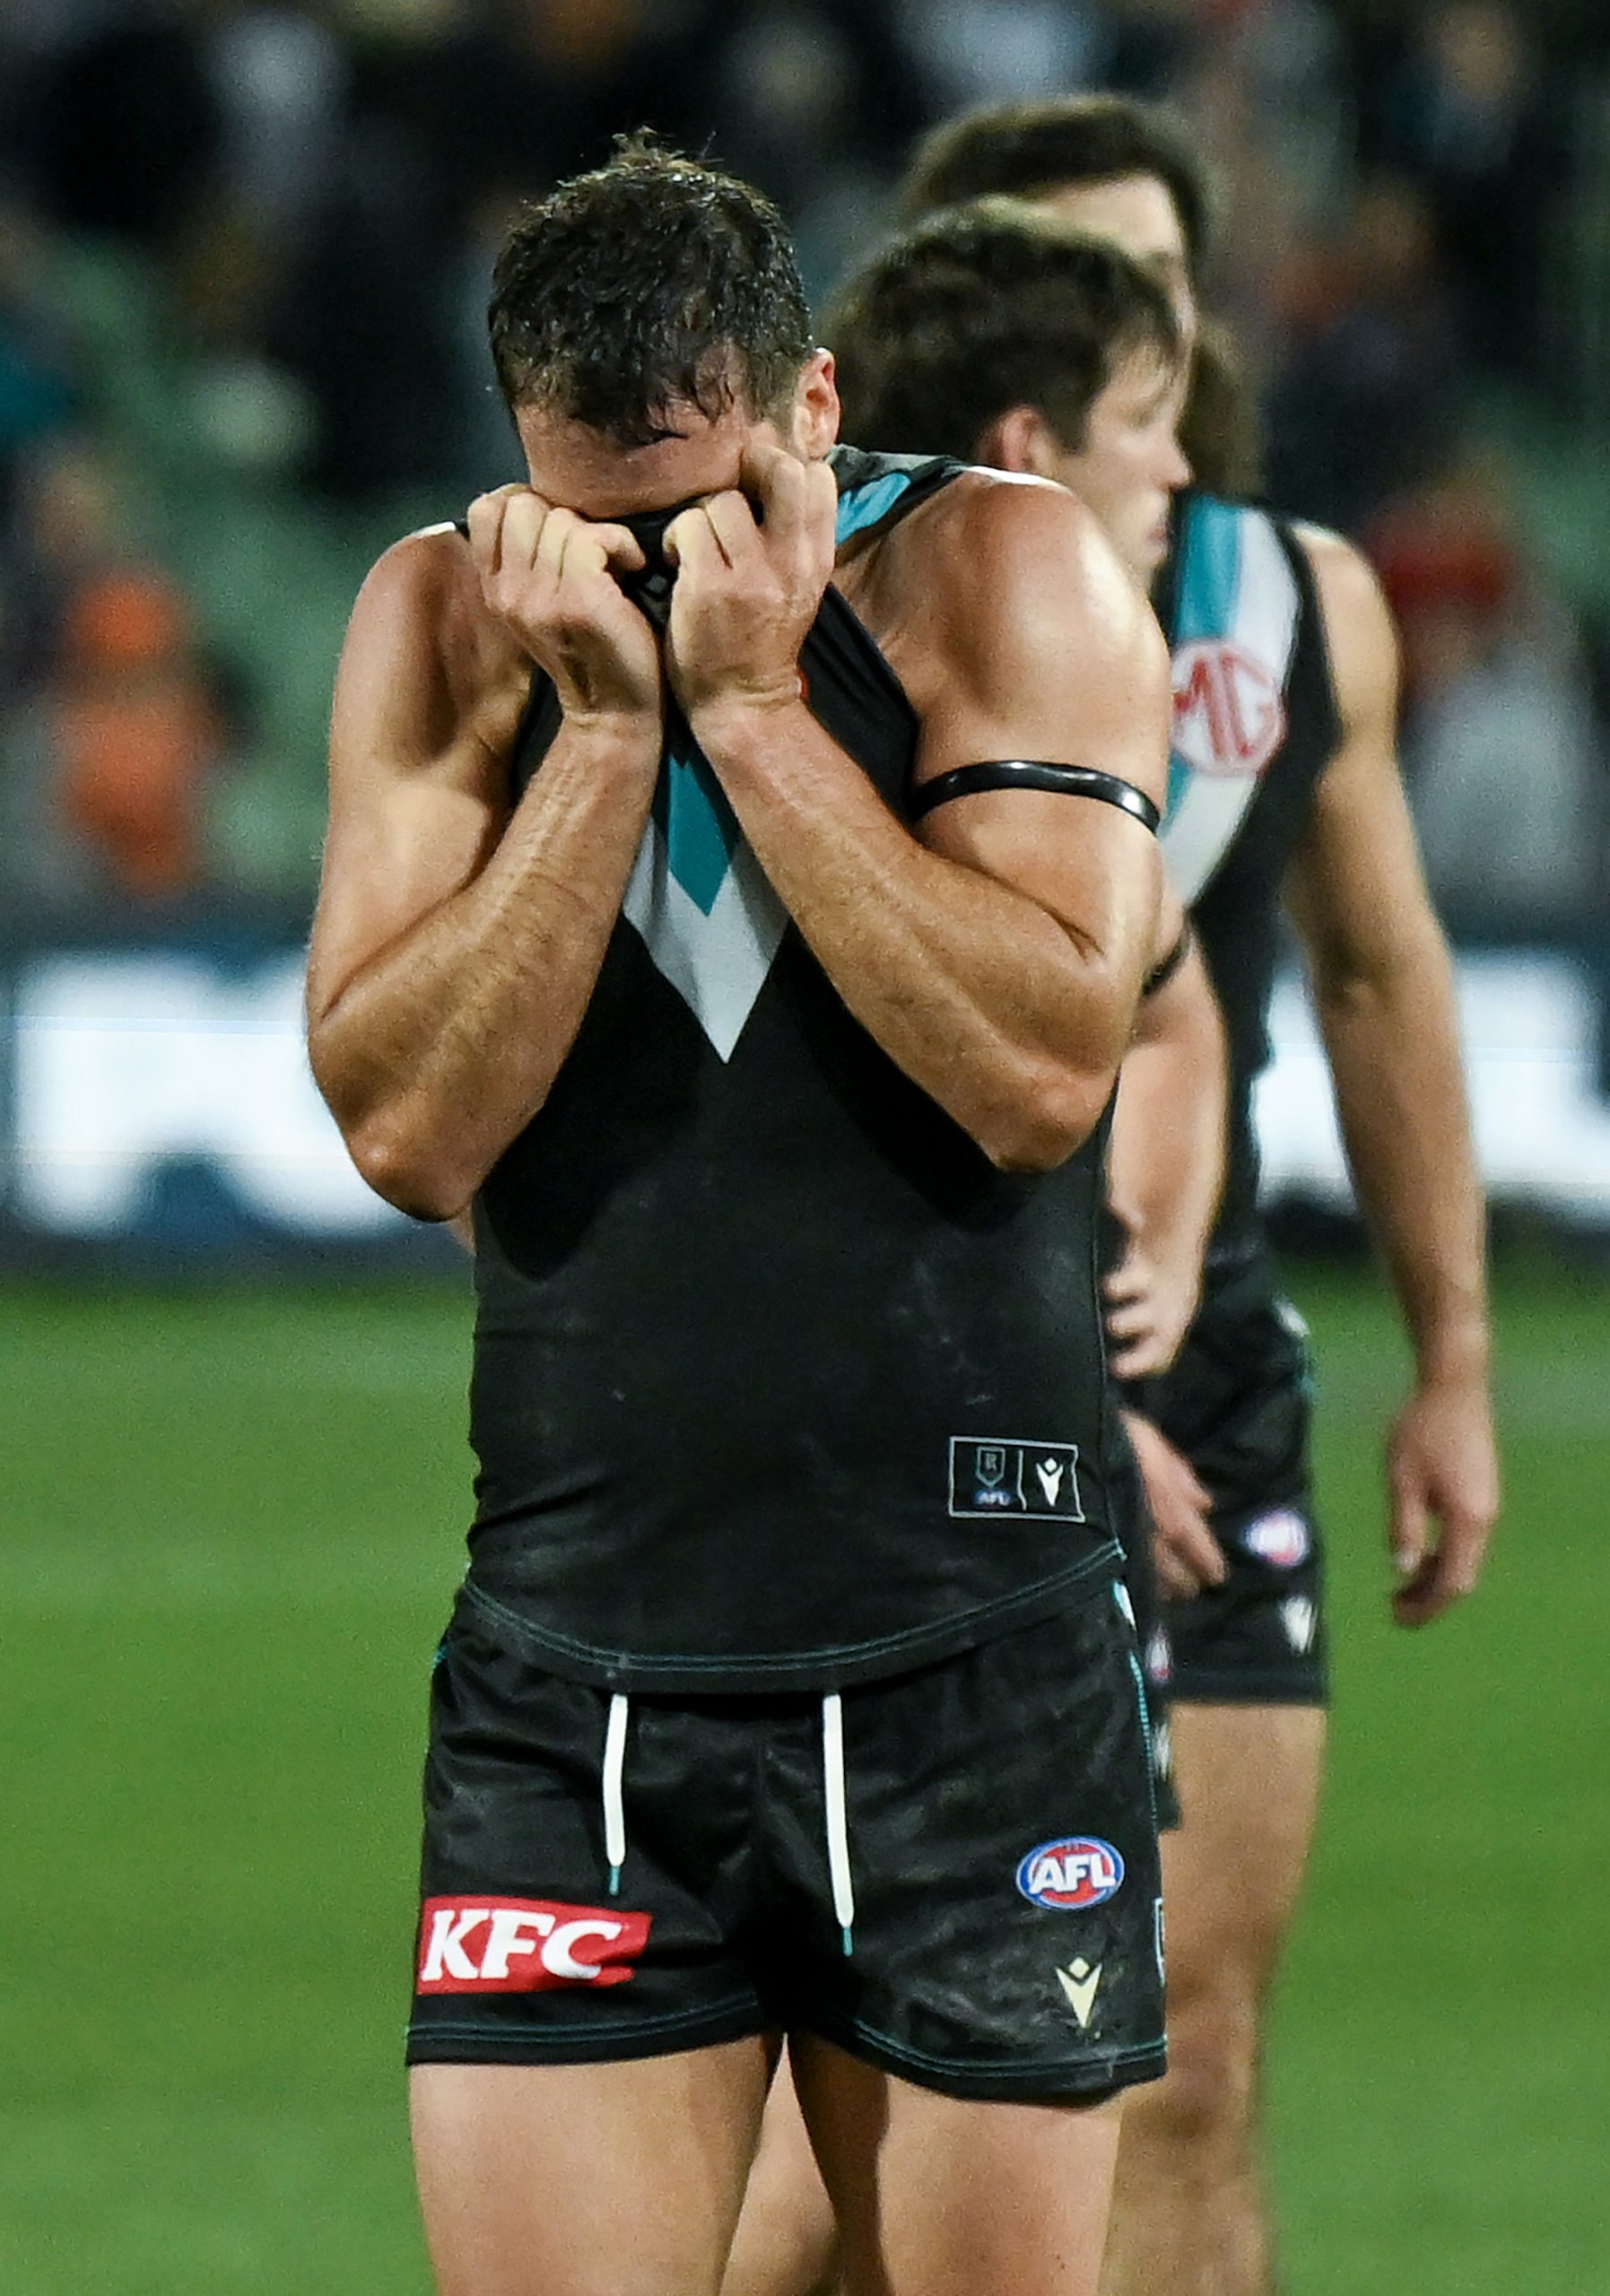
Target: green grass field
x,y
232,1530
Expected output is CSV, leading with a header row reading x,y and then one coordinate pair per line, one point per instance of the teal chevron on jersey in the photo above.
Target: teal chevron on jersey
x,y
1234,641
698,898
700,902
860,507
698,826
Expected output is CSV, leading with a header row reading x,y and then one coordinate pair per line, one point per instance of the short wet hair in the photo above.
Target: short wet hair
x,y
983,308
652,282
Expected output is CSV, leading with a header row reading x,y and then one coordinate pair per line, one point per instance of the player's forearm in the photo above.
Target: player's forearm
x,y
440,1049
1012,1021
1166,1162
1393,1045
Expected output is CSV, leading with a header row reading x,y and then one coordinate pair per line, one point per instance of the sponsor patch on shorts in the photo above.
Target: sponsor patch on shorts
x,y
998,1476
487,1944
1069,1875
1302,1622
1282,1538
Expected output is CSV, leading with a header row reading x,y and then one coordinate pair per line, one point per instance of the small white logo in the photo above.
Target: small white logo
x,y
1079,1982
997,1475
1301,1620
1162,1751
1280,1538
1160,1658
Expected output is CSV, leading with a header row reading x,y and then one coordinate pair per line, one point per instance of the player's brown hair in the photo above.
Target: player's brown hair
x,y
984,307
651,283
1027,150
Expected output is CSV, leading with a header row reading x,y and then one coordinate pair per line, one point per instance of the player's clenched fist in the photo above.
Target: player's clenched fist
x,y
748,585
552,577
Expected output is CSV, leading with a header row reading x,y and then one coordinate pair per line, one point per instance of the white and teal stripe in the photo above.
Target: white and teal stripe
x,y
1237,596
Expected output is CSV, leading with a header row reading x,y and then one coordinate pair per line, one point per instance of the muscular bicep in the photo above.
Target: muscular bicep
x,y
427,702
1055,656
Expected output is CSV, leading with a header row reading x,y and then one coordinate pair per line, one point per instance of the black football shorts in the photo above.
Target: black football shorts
x,y
1238,1403
952,1875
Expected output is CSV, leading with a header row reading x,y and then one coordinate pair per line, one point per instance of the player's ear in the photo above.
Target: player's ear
x,y
1023,441
815,407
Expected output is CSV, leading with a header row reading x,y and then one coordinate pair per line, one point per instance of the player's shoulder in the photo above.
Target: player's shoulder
x,y
995,553
1009,513
422,601
1359,637
428,570
1345,579
1356,622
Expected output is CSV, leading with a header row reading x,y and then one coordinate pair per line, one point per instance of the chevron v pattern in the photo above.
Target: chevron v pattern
x,y
696,896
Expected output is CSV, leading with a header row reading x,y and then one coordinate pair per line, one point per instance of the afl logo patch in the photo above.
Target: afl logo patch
x,y
1280,1538
1068,1876
1229,715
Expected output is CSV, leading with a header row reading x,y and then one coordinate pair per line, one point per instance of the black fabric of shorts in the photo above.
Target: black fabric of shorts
x,y
1140,1576
1238,1403
1006,1938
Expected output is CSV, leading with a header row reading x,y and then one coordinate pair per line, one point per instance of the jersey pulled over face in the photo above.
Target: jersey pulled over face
x,y
1128,464
580,469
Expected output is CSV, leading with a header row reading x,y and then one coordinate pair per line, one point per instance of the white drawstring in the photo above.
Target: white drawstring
x,y
614,1803
838,1826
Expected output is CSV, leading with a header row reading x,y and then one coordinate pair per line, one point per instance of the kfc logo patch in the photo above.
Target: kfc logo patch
x,y
489,1944
1228,713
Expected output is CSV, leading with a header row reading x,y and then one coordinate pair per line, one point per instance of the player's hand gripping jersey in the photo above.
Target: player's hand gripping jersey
x,y
778,1381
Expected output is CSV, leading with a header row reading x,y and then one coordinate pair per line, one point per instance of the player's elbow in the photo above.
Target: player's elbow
x,y
1047,1120
407,1170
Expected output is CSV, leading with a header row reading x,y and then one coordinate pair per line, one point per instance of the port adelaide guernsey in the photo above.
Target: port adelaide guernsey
x,y
779,1383
1256,722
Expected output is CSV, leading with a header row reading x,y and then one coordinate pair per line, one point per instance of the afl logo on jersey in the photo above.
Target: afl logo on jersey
x,y
1068,1876
1229,716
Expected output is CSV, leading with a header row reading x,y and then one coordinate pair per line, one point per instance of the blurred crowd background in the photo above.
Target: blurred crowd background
x,y
244,252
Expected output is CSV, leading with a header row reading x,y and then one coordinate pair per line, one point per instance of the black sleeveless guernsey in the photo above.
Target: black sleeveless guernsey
x,y
1256,722
779,1383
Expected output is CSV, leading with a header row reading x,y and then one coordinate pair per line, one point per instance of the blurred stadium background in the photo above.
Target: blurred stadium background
x,y
243,250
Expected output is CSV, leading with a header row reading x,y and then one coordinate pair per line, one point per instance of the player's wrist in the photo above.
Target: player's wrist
x,y
732,715
1459,1356
627,736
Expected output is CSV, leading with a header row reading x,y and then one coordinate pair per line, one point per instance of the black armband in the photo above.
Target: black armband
x,y
1164,969
1030,773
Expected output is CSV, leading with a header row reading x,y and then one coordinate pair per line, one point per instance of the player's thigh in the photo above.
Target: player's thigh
x,y
938,2196
787,2239
613,2180
1249,1779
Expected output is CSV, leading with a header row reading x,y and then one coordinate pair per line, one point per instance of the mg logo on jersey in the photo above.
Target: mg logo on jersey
x,y
489,1944
1229,716
1067,1876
